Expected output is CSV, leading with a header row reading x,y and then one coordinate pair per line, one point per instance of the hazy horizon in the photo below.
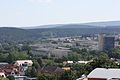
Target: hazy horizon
x,y
27,13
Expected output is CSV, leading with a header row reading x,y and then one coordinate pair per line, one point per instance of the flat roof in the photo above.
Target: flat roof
x,y
105,73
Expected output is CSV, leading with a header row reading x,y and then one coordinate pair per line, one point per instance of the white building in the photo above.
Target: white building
x,y
104,74
70,62
24,78
24,63
83,62
2,74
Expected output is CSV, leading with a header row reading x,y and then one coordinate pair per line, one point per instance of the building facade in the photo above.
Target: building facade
x,y
106,42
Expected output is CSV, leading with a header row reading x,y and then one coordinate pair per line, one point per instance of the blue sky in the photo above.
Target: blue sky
x,y
43,12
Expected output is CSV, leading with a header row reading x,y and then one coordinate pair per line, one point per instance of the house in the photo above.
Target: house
x,y
2,74
66,68
59,53
20,77
12,70
51,70
27,78
82,62
2,64
24,63
104,74
82,79
24,78
70,62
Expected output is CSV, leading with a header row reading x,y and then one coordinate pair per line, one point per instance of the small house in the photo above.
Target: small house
x,y
24,63
2,74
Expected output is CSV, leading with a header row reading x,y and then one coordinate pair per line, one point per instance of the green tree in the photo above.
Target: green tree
x,y
10,58
68,75
39,60
5,79
73,57
36,64
48,77
11,77
42,77
31,72
102,61
21,56
115,53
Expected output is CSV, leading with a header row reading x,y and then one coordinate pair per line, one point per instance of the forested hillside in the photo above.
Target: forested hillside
x,y
17,34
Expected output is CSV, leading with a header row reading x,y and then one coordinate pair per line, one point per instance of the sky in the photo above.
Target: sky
x,y
26,13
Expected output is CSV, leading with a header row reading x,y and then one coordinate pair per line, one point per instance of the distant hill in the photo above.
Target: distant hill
x,y
43,26
15,34
75,26
104,24
59,30
80,25
107,24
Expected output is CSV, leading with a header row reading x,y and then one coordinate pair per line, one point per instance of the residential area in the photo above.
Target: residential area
x,y
76,58
59,39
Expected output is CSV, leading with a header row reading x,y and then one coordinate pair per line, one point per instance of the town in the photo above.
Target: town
x,y
72,58
59,40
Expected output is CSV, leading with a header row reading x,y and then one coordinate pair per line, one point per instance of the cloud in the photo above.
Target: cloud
x,y
41,1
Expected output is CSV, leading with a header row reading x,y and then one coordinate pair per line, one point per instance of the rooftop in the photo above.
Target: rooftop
x,y
105,73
